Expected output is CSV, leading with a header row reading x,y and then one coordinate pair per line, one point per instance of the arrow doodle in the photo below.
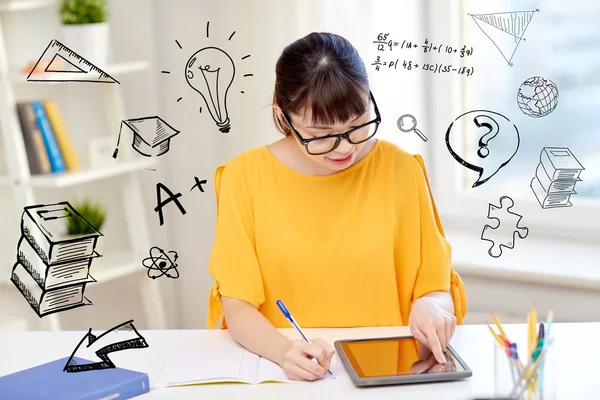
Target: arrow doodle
x,y
121,337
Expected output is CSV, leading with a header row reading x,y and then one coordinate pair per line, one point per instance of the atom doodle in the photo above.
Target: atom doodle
x,y
160,263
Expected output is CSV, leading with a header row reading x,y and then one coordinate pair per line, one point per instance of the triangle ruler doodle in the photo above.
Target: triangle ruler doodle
x,y
505,30
58,63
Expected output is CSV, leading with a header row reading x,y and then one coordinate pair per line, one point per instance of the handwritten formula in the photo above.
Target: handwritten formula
x,y
432,67
385,44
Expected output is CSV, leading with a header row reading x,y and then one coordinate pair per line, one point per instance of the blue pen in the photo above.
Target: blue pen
x,y
549,320
287,314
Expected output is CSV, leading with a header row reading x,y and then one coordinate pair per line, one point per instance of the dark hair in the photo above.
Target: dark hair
x,y
322,71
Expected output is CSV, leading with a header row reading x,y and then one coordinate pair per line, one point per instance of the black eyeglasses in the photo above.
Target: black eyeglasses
x,y
326,144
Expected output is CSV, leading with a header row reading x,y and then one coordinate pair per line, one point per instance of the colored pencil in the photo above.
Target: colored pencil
x,y
497,322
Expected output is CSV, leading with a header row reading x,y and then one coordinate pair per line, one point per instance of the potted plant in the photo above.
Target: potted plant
x,y
93,214
85,29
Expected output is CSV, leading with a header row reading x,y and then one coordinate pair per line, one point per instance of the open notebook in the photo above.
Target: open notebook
x,y
200,366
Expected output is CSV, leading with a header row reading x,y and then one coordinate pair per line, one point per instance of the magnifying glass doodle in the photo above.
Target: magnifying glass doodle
x,y
407,123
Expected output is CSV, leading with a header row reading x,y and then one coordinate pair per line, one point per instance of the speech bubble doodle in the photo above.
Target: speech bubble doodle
x,y
483,141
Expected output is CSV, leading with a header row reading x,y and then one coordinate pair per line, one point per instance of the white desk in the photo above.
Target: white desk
x,y
576,349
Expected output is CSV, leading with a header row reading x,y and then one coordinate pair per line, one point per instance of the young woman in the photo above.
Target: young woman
x,y
336,223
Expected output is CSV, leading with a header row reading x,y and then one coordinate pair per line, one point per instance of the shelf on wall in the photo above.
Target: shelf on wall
x,y
22,5
65,179
107,268
115,265
112,69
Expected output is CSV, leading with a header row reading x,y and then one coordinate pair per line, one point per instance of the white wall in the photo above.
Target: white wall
x,y
27,34
144,29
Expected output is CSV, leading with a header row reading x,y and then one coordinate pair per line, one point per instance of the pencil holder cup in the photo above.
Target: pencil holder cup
x,y
510,376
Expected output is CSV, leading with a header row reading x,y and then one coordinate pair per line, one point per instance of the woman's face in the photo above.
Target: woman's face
x,y
344,155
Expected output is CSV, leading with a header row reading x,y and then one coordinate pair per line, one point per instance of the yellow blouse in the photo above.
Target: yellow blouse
x,y
350,249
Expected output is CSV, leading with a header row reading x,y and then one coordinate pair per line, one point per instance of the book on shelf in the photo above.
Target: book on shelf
x,y
47,142
52,267
555,178
39,163
65,144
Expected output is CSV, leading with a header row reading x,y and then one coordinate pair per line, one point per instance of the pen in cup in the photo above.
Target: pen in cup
x,y
529,373
289,317
515,361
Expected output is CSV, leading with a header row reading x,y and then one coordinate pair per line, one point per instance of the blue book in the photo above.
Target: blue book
x,y
50,381
57,161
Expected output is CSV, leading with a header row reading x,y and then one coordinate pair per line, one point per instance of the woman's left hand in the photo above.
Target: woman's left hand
x,y
432,325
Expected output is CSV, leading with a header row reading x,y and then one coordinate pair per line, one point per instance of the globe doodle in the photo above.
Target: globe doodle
x,y
537,97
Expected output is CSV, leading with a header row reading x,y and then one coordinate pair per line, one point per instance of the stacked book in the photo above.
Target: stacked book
x,y
47,141
555,177
52,268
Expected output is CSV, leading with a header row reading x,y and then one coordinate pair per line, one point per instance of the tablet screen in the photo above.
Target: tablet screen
x,y
401,356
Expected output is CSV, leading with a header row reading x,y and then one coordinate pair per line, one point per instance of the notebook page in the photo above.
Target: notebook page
x,y
205,366
249,366
337,367
270,371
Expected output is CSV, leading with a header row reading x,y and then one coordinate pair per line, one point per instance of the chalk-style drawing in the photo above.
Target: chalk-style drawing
x,y
479,129
58,63
505,231
505,30
161,263
198,184
408,123
161,203
151,135
210,72
537,97
52,268
93,350
555,177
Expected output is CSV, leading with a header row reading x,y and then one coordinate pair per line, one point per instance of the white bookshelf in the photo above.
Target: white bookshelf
x,y
85,175
24,5
19,183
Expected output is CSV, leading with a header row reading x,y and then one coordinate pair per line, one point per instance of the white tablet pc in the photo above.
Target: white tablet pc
x,y
397,360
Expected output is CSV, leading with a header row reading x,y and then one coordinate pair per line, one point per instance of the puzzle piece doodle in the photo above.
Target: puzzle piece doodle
x,y
504,233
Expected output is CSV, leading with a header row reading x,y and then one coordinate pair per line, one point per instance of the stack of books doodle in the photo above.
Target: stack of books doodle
x,y
555,177
52,267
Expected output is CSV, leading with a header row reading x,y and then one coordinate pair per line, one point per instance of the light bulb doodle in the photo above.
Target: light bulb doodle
x,y
212,82
211,72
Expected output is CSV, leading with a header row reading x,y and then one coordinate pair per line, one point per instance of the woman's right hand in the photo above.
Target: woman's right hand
x,y
297,359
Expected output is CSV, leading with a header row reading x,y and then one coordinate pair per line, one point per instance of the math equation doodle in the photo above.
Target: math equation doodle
x,y
210,72
505,30
412,48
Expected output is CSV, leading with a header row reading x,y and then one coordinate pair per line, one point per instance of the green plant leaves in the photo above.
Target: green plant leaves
x,y
94,214
77,12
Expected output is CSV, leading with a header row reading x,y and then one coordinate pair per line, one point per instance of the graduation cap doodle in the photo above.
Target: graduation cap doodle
x,y
151,135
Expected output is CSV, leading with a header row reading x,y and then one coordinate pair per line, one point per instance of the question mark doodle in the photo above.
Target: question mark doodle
x,y
497,127
493,131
